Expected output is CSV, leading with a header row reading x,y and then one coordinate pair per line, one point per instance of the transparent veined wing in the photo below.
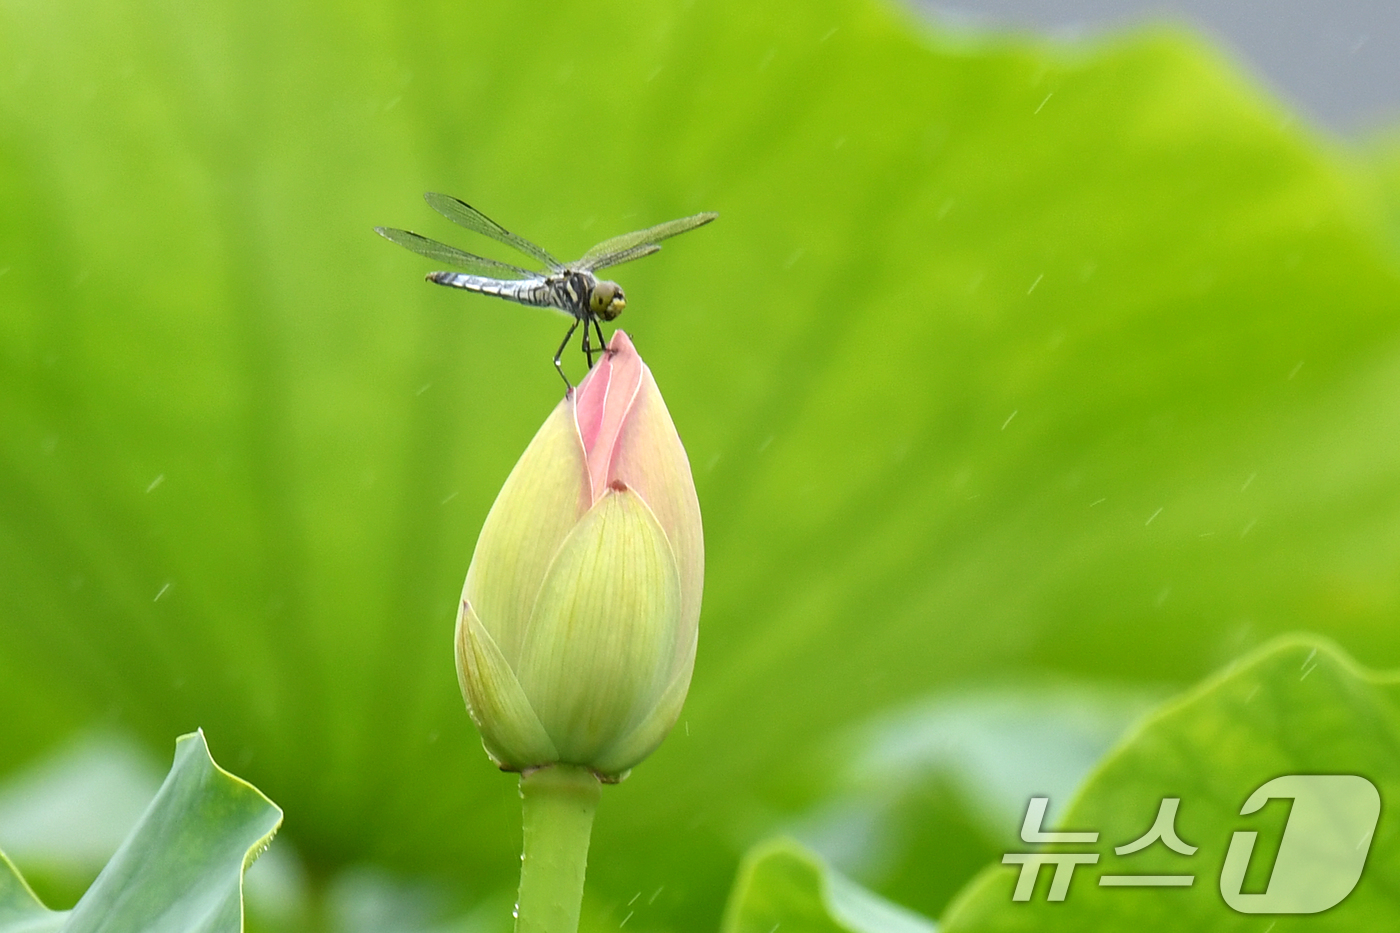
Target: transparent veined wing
x,y
634,245
463,214
478,265
618,257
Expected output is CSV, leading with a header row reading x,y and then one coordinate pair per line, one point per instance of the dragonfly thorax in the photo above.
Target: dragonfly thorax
x,y
606,300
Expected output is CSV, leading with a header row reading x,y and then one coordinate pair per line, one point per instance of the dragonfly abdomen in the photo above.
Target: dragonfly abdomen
x,y
538,293
567,292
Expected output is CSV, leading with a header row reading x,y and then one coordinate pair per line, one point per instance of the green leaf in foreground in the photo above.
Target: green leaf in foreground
x,y
19,908
181,868
781,884
1296,707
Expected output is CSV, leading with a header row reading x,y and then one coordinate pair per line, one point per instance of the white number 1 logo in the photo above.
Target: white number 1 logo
x,y
1323,849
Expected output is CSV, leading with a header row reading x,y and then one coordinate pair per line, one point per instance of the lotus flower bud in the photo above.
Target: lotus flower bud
x,y
577,631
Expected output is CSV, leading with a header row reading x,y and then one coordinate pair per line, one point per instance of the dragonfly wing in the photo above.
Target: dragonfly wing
x,y
618,257
453,256
463,214
611,252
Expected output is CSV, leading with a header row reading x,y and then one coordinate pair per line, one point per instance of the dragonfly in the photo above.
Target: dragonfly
x,y
570,287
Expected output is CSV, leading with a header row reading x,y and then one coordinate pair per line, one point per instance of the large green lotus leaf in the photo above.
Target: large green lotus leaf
x,y
180,869
925,794
20,910
1300,707
781,884
1297,707
1002,358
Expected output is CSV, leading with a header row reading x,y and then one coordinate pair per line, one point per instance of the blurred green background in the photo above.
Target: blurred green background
x,y
1023,383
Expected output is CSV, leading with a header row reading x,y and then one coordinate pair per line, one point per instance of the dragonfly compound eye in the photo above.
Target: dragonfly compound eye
x,y
607,300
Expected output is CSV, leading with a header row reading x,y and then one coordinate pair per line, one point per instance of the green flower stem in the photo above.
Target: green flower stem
x,y
559,803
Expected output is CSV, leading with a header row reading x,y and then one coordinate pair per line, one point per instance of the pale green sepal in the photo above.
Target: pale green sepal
x,y
542,499
510,730
636,745
602,641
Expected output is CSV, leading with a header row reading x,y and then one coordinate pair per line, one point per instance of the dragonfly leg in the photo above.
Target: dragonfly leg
x,y
598,328
558,354
587,346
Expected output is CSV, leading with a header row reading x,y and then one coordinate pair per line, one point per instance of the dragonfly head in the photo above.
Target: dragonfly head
x,y
606,300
